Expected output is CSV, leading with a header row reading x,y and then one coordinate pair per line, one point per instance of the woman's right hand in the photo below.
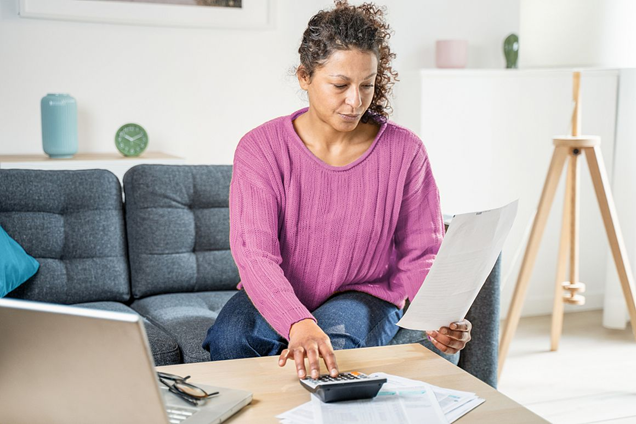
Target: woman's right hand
x,y
307,340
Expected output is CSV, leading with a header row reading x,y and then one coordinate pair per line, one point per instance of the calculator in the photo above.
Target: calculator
x,y
347,386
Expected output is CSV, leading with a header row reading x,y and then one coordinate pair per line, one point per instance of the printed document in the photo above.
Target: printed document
x,y
454,403
400,400
464,261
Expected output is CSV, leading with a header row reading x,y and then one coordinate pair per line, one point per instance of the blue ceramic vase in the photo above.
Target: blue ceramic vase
x,y
59,125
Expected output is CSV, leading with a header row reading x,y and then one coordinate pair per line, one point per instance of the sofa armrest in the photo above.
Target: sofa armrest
x,y
479,357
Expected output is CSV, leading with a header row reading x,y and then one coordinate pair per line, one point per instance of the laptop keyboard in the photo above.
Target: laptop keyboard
x,y
177,415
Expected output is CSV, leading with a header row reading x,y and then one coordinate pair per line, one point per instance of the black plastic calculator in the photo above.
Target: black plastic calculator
x,y
347,386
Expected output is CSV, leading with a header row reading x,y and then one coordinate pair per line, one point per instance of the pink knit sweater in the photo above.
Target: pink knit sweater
x,y
302,230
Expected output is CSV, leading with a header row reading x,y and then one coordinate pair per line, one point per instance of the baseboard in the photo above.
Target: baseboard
x,y
615,314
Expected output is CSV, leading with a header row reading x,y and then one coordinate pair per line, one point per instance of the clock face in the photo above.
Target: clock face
x,y
131,139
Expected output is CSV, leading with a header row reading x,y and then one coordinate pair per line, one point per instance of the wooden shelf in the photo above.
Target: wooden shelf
x,y
87,157
113,162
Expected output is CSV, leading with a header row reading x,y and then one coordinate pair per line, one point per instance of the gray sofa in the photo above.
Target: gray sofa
x,y
163,253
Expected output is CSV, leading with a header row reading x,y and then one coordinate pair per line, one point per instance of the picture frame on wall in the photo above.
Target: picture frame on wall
x,y
243,14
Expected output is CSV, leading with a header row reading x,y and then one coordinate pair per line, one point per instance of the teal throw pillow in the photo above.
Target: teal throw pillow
x,y
16,266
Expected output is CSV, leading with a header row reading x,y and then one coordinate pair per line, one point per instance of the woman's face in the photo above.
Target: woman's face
x,y
342,89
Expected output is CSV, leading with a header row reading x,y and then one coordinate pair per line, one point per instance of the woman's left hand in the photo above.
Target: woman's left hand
x,y
453,338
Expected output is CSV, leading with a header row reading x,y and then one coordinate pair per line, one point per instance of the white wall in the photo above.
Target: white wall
x,y
197,91
489,138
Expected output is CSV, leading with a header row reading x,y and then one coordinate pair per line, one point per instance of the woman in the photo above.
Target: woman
x,y
334,213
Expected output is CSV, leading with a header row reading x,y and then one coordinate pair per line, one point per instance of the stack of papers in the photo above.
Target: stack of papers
x,y
400,400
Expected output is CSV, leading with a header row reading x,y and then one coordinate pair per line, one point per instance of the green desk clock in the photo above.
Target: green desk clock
x,y
131,140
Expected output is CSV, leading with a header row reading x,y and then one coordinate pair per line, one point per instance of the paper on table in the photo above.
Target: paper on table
x,y
403,405
369,411
417,399
302,414
453,403
459,412
419,403
468,253
448,399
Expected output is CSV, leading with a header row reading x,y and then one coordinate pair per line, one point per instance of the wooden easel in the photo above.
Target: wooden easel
x,y
570,148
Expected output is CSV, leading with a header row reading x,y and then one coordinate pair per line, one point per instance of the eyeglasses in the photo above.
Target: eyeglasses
x,y
186,391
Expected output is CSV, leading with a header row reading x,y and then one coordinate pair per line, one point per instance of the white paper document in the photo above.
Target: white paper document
x,y
369,411
464,261
454,403
401,400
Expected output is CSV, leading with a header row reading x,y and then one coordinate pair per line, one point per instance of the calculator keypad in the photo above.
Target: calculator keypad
x,y
347,376
346,386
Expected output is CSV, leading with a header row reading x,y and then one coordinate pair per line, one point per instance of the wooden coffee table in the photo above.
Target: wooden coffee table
x,y
277,390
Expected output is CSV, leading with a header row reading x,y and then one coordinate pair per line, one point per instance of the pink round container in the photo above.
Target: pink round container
x,y
451,53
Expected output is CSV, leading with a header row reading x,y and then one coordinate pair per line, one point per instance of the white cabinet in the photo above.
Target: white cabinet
x,y
489,137
113,162
624,189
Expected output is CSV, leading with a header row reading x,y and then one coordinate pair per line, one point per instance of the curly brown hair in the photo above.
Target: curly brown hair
x,y
347,27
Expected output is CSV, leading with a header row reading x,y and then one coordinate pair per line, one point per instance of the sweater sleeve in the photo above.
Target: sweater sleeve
x,y
420,227
254,243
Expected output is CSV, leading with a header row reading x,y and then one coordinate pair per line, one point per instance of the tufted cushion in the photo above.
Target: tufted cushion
x,y
178,229
186,316
165,350
72,222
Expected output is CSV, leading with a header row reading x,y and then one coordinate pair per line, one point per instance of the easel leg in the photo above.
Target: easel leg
x,y
608,212
574,224
547,196
564,249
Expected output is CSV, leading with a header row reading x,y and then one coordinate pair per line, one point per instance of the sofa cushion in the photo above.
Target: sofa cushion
x,y
178,229
165,350
16,266
72,222
185,316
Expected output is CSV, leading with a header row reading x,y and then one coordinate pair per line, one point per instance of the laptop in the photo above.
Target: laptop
x,y
65,364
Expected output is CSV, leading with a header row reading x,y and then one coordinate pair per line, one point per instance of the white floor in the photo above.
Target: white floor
x,y
590,379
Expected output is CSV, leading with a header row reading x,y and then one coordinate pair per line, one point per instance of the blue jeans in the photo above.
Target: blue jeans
x,y
350,319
